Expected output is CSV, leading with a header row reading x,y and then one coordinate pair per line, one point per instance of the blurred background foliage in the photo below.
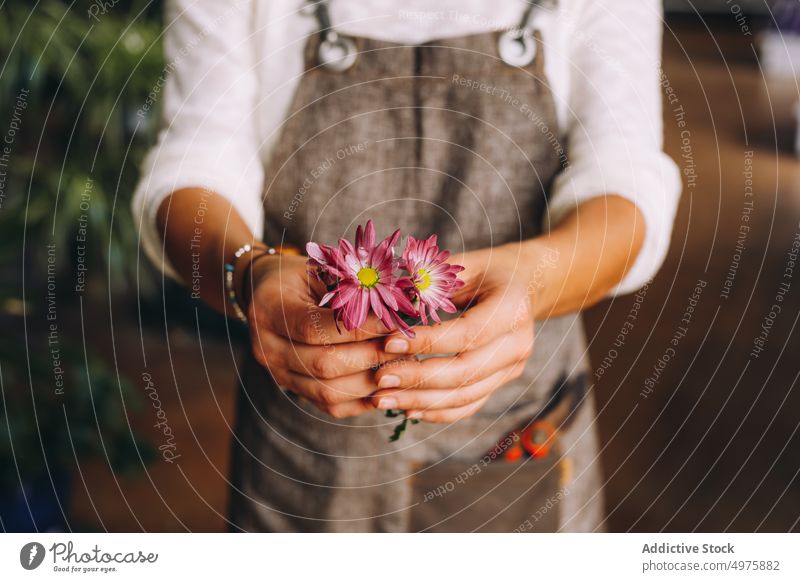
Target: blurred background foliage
x,y
85,69
87,77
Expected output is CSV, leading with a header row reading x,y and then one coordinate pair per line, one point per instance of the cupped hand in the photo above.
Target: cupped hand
x,y
491,341
300,345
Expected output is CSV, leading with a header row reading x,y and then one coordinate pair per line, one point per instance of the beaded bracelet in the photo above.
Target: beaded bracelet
x,y
230,270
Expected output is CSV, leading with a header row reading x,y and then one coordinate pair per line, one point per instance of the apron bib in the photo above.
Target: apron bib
x,y
440,138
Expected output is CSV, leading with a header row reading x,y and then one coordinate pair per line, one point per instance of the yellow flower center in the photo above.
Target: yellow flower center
x,y
368,277
423,280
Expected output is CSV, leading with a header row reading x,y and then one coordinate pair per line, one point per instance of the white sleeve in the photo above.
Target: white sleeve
x,y
208,137
614,129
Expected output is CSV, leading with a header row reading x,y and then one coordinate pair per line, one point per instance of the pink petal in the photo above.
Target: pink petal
x,y
353,265
394,238
350,312
404,304
369,235
387,319
360,236
363,307
345,297
375,301
327,297
403,326
387,296
345,248
422,314
313,251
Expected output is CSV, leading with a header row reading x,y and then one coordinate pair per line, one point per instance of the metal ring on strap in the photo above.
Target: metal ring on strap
x,y
336,53
517,47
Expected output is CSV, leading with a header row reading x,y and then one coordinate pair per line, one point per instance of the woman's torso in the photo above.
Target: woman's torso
x,y
436,138
280,29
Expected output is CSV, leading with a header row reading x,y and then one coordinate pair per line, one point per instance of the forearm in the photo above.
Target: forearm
x,y
201,232
585,256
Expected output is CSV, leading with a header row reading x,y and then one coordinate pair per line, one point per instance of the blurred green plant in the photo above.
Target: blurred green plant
x,y
86,77
43,433
84,68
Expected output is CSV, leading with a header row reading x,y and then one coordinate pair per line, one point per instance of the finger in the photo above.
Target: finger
x,y
329,402
264,350
330,397
477,264
328,392
459,370
298,319
425,400
325,362
449,414
345,409
489,318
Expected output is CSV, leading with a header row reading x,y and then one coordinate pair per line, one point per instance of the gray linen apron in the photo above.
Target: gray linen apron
x,y
440,138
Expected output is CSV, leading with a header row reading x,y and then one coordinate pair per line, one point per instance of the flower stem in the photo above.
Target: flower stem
x,y
400,428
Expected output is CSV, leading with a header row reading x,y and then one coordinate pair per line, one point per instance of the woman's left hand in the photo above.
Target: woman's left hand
x,y
491,340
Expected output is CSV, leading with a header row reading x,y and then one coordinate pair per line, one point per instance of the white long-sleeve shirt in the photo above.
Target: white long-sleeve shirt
x,y
232,68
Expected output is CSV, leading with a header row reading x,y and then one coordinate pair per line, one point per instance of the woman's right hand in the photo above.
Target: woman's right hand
x,y
299,344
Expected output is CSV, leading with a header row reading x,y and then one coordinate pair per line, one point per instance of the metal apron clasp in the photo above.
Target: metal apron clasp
x,y
517,47
335,52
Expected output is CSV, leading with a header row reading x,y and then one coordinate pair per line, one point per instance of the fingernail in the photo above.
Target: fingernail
x,y
389,381
387,403
397,346
414,414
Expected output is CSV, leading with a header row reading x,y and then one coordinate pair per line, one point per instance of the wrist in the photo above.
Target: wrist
x,y
236,266
543,268
254,266
259,268
242,263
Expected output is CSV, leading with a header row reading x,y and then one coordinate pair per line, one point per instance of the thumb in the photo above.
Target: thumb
x,y
475,265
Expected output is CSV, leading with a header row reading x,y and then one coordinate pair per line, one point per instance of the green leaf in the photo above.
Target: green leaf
x,y
398,431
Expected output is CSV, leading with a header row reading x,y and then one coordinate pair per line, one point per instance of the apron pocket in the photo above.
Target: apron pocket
x,y
499,496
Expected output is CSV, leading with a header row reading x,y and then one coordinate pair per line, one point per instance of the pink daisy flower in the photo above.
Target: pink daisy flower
x,y
434,280
362,277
